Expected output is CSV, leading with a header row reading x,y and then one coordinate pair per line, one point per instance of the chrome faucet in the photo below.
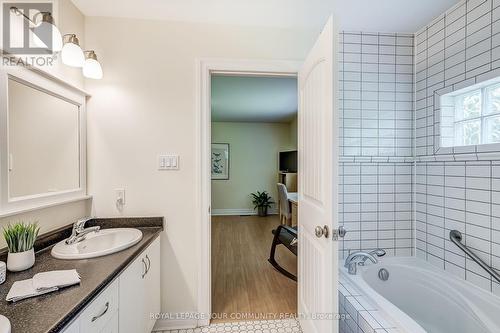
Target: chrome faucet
x,y
79,231
352,261
376,252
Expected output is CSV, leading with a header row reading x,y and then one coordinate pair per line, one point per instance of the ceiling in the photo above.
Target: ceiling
x,y
253,99
357,15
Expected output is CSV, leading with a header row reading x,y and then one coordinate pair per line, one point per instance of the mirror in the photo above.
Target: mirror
x,y
43,146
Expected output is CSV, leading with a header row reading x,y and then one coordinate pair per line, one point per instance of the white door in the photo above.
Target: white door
x,y
318,198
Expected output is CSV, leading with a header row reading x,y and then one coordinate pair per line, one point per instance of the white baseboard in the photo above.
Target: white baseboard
x,y
243,211
174,324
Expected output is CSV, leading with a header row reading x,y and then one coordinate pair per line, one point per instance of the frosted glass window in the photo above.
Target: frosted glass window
x,y
471,117
468,105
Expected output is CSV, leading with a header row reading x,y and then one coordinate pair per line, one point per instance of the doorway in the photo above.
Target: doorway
x,y
253,151
318,123
206,69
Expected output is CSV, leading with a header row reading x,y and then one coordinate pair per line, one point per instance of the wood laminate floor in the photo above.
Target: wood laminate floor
x,y
243,281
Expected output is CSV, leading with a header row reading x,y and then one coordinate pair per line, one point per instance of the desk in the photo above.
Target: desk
x,y
293,198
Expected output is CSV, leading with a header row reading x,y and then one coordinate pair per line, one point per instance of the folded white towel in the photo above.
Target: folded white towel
x,y
59,279
24,289
42,283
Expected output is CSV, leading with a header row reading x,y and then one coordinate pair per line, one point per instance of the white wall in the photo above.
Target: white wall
x,y
254,150
145,105
50,218
69,20
294,132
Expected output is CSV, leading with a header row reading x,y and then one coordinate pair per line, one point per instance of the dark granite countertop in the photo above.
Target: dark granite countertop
x,y
51,312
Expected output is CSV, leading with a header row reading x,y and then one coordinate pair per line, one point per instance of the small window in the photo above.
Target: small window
x,y
471,117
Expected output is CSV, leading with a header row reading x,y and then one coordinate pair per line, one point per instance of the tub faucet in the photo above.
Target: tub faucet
x,y
79,231
376,252
351,261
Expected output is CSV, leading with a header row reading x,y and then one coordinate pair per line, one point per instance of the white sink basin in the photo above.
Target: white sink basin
x,y
4,324
97,244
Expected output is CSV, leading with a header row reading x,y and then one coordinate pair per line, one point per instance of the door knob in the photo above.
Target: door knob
x,y
321,231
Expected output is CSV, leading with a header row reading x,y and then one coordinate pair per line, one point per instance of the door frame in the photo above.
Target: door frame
x,y
204,70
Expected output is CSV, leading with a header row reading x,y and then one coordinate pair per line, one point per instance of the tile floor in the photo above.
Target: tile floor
x,y
264,326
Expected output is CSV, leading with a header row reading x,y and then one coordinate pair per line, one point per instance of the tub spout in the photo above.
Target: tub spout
x,y
351,261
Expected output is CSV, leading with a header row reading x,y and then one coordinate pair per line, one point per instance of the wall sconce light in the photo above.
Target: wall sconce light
x,y
92,68
72,54
44,29
69,45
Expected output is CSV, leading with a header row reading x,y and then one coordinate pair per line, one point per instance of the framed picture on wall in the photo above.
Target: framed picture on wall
x,y
220,161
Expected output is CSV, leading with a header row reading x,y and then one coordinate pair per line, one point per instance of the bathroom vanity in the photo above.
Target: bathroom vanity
x,y
127,303
119,292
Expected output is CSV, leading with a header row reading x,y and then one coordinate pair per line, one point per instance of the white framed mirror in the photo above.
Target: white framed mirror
x,y
42,141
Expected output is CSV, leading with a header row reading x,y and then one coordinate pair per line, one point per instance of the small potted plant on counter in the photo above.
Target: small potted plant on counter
x,y
20,239
262,201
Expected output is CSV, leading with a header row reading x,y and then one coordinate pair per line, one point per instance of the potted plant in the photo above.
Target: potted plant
x,y
20,239
262,201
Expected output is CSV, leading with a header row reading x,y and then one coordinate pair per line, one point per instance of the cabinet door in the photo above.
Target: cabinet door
x,y
152,284
98,313
112,325
132,289
74,327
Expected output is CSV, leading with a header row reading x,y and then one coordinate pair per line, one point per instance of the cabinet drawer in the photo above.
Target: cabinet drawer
x,y
101,311
112,325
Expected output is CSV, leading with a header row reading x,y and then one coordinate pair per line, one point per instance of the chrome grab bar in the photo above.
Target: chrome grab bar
x,y
456,238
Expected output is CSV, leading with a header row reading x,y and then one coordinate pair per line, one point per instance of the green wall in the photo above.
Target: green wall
x,y
254,149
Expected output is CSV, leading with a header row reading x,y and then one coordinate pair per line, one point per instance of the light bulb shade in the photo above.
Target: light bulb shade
x,y
92,69
46,35
72,55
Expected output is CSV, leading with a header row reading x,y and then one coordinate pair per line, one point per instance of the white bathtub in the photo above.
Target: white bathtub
x,y
419,297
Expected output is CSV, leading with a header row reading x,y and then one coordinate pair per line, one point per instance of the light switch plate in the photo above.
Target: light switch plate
x,y
168,162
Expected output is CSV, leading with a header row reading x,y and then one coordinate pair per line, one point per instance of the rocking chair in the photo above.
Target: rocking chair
x,y
288,237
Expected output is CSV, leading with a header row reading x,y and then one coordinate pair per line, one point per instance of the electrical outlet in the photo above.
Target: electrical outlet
x,y
120,197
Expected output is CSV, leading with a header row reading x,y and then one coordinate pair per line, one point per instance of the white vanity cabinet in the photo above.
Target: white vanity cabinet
x,y
99,314
140,292
126,305
74,327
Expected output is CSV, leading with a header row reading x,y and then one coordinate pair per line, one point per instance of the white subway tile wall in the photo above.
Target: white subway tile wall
x,y
376,95
459,190
376,207
464,196
458,49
